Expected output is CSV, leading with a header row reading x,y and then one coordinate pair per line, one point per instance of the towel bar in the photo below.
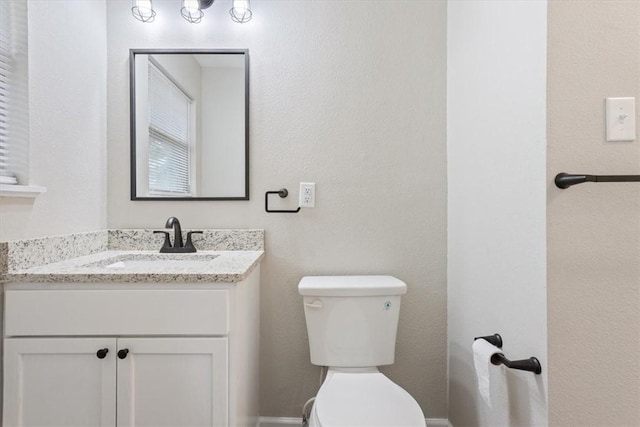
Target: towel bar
x,y
566,180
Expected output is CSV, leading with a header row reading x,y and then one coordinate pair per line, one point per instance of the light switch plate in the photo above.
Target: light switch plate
x,y
621,119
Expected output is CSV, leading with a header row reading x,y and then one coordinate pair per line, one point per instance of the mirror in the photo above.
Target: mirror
x,y
189,124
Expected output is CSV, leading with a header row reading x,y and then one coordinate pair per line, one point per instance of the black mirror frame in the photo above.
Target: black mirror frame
x,y
132,119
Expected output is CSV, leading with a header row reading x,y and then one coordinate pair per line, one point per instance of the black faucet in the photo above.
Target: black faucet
x,y
178,246
174,223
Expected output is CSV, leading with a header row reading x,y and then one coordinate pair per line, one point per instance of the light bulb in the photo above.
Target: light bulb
x,y
143,11
191,11
240,11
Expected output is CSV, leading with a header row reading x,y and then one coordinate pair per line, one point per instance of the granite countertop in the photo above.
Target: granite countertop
x,y
147,266
131,256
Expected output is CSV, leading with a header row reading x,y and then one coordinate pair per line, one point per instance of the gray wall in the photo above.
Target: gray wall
x,y
351,97
593,229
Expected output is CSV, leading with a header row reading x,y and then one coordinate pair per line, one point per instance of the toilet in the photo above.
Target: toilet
x,y
352,323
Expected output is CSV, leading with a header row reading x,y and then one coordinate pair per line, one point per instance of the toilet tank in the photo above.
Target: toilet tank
x,y
352,320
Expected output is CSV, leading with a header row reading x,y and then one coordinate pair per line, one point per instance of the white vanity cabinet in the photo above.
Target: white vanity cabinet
x,y
131,354
58,381
159,382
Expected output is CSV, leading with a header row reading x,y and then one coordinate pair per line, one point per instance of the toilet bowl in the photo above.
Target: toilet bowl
x,y
363,399
352,322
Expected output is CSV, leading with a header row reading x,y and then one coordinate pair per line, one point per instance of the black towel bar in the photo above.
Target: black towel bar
x,y
531,364
566,180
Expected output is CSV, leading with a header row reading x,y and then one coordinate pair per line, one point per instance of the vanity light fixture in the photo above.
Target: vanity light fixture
x,y
143,11
191,10
240,11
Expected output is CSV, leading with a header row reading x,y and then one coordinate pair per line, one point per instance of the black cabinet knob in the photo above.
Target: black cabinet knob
x,y
122,354
102,353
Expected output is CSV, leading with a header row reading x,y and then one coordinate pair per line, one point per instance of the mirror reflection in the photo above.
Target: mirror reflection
x,y
189,124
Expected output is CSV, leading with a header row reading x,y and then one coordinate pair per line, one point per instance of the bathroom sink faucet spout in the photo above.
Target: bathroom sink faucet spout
x,y
178,246
174,223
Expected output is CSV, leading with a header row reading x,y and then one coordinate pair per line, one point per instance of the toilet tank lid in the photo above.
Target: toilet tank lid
x,y
343,286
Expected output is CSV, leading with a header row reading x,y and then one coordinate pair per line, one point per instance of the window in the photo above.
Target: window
x,y
13,92
170,135
14,102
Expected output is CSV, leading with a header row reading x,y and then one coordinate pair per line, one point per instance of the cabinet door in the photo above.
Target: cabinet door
x,y
172,382
59,382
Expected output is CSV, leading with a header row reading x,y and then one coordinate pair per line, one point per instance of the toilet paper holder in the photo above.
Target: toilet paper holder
x,y
531,364
283,192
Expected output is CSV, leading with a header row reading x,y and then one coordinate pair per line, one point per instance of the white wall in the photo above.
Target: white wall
x,y
594,229
350,96
223,129
496,85
67,129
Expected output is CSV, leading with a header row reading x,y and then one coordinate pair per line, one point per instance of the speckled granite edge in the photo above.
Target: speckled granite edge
x,y
19,255
22,254
4,258
82,279
209,240
224,266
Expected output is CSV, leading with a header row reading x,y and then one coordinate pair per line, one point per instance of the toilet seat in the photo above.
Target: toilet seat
x,y
364,399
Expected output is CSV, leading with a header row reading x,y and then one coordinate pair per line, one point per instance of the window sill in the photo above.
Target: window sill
x,y
11,190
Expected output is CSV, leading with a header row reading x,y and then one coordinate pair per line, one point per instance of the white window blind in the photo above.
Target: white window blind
x,y
169,136
13,91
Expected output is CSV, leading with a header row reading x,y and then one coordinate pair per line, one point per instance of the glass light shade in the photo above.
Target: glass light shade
x,y
143,11
191,11
240,11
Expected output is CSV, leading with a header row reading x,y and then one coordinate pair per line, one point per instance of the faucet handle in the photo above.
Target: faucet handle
x,y
167,242
189,245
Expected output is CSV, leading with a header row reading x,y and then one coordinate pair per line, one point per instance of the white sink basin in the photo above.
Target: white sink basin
x,y
135,261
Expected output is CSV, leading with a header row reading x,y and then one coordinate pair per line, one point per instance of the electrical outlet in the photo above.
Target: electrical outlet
x,y
307,195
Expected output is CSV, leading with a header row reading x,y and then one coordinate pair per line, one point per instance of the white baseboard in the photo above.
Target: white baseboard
x,y
438,422
291,421
279,421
